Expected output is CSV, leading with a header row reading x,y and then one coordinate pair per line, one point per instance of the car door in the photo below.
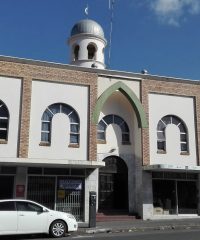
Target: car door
x,y
31,218
8,217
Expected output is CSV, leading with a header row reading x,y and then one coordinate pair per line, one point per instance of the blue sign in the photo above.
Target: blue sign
x,y
70,184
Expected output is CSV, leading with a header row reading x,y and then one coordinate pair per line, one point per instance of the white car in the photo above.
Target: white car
x,y
27,217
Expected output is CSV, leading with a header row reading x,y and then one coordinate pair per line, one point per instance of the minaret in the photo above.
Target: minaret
x,y
87,44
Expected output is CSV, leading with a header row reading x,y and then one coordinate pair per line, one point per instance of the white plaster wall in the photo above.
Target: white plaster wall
x,y
91,184
117,104
10,94
105,82
45,94
182,107
147,196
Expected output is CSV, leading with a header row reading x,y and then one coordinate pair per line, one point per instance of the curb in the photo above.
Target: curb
x,y
137,229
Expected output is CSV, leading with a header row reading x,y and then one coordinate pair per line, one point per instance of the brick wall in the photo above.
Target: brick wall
x,y
53,73
177,88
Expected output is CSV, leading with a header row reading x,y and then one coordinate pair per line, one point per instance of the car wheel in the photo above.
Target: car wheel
x,y
58,229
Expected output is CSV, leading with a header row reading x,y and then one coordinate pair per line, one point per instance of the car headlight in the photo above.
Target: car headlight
x,y
70,216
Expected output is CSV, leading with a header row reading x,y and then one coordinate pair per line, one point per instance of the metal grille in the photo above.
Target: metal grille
x,y
72,203
42,190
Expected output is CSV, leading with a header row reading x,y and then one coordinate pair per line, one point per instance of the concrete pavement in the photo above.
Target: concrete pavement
x,y
140,225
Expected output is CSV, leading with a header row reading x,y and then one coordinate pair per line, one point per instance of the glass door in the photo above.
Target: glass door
x,y
187,197
6,187
106,191
164,197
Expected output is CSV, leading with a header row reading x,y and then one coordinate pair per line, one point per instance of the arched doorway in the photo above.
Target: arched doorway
x,y
113,185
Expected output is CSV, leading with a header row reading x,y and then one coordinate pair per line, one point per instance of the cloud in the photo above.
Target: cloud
x,y
172,12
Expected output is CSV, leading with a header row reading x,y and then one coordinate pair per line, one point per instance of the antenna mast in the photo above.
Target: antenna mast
x,y
111,8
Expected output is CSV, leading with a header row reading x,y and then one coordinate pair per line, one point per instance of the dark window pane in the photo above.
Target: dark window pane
x,y
66,109
125,138
74,138
182,128
124,127
101,135
3,134
161,145
3,111
74,128
34,170
175,120
3,123
118,120
108,119
183,138
161,126
47,116
184,147
73,117
161,135
56,171
8,170
7,206
55,108
45,137
102,126
167,119
46,126
77,171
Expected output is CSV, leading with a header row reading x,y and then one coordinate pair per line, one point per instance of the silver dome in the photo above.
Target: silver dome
x,y
87,26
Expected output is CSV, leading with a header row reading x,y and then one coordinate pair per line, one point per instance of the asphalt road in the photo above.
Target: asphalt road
x,y
153,235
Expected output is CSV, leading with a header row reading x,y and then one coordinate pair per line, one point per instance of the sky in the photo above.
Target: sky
x,y
161,36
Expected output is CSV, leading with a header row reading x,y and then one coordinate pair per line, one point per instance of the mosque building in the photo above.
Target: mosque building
x,y
69,130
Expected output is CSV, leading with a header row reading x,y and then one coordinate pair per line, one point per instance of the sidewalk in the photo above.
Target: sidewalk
x,y
140,225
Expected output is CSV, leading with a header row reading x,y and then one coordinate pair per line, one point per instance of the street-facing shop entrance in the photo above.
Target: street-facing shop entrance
x,y
113,185
175,195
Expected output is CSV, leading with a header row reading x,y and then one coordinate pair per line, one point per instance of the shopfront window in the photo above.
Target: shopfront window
x,y
174,196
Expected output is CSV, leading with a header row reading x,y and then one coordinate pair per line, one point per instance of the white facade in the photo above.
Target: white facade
x,y
58,93
182,107
10,92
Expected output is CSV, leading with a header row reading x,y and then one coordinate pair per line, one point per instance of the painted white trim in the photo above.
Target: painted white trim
x,y
51,163
171,167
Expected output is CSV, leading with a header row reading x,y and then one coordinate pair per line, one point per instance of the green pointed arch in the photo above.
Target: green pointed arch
x,y
130,95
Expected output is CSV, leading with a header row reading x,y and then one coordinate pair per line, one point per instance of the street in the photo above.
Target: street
x,y
147,235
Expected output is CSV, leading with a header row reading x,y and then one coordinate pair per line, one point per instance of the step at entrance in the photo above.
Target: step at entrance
x,y
114,216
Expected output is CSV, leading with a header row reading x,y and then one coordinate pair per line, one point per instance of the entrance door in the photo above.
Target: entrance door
x,y
6,187
113,185
106,190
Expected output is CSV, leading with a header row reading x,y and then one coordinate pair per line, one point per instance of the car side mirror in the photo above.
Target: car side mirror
x,y
44,210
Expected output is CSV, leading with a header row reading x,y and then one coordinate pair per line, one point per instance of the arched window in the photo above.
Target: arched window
x,y
4,121
113,119
161,140
47,120
91,51
76,52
